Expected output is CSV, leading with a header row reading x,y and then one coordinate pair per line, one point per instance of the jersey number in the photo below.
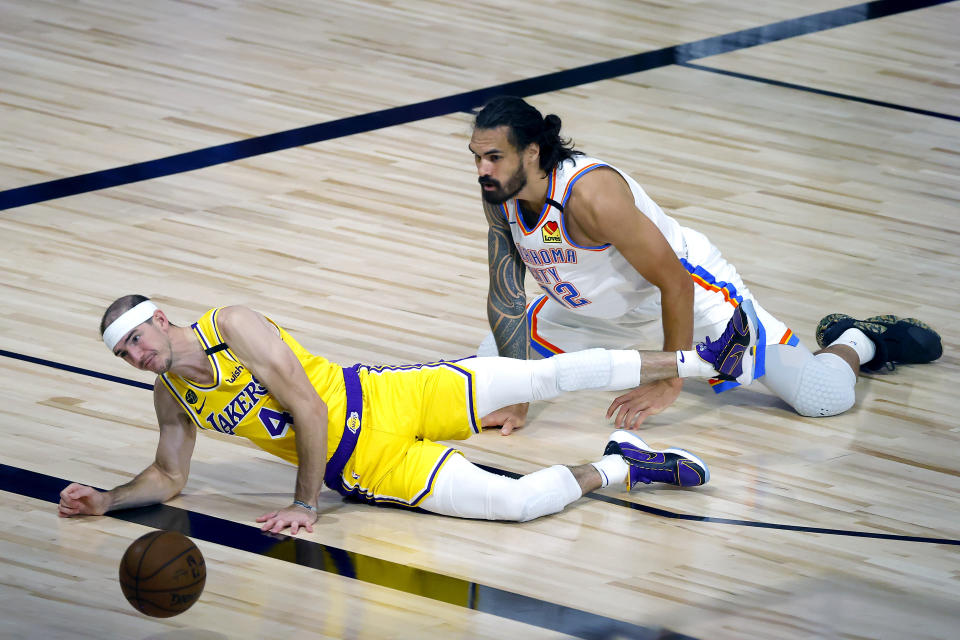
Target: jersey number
x,y
569,296
276,423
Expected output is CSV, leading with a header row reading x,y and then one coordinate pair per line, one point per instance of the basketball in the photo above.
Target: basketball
x,y
162,573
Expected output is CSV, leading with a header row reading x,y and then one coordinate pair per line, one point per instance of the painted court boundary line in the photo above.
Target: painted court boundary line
x,y
744,523
822,92
594,496
467,101
349,564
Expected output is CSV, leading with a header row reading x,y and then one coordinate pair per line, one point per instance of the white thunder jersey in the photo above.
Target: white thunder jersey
x,y
593,281
595,298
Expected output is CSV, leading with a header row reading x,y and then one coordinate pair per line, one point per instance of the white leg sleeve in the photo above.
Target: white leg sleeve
x,y
464,490
821,385
505,381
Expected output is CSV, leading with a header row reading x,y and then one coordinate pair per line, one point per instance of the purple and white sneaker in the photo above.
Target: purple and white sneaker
x,y
670,466
735,353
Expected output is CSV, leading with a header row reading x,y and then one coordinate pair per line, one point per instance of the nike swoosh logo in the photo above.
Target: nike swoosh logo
x,y
733,359
681,357
200,410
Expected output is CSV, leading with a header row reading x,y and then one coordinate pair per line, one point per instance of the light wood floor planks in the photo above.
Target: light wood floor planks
x,y
371,248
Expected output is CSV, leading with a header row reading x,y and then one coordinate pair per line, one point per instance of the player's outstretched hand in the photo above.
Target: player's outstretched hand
x,y
507,418
81,500
294,516
635,406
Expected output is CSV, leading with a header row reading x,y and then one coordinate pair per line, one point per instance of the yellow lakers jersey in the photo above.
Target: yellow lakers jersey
x,y
239,405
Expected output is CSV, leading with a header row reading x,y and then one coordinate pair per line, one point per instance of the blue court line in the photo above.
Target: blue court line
x,y
594,496
743,523
771,525
349,564
462,102
72,369
822,92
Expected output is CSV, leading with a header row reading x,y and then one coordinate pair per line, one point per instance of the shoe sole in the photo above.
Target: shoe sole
x,y
754,355
826,332
620,436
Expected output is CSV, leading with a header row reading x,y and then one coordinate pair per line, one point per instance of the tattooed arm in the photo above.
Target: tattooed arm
x,y
506,300
506,306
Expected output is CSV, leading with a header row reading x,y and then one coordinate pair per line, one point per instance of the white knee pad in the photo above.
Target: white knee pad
x,y
826,387
505,381
821,385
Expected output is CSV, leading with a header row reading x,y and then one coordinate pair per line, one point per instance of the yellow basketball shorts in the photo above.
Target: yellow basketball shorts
x,y
405,409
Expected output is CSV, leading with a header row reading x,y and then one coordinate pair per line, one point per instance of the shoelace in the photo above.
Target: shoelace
x,y
716,346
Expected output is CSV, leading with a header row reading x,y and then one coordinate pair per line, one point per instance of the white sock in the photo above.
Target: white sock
x,y
691,365
859,342
612,469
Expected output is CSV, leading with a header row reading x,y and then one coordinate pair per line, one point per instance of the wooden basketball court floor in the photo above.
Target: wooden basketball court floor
x,y
309,159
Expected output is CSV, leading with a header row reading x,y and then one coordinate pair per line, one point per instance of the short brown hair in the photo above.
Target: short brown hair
x,y
118,308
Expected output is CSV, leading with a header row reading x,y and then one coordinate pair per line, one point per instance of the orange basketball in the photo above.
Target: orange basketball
x,y
162,573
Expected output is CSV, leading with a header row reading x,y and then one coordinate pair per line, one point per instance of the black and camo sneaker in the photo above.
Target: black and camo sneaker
x,y
903,340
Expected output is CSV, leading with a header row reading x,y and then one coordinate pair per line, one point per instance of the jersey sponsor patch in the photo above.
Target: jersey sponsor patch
x,y
551,232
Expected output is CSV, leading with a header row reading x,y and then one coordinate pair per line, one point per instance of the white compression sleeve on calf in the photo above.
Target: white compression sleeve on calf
x,y
589,369
464,490
626,372
597,369
544,492
504,381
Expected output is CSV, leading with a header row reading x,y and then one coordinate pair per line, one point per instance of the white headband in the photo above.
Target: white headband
x,y
127,321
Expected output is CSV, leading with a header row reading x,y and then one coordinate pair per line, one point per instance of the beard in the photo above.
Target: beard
x,y
167,363
160,359
164,362
502,193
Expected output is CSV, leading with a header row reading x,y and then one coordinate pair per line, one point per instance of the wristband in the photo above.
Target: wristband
x,y
301,503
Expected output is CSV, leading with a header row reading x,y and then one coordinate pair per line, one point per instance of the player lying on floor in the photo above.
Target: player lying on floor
x,y
370,432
